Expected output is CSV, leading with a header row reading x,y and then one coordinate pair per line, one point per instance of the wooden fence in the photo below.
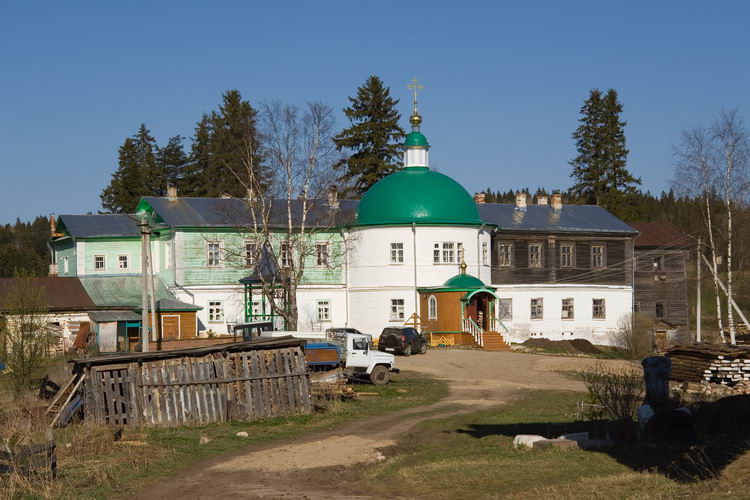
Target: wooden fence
x,y
198,386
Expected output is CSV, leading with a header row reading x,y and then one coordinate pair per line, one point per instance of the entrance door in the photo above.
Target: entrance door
x,y
479,309
170,326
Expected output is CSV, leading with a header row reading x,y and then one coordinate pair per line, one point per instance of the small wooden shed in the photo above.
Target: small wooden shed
x,y
236,381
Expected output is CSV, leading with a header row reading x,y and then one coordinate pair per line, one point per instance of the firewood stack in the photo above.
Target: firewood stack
x,y
712,363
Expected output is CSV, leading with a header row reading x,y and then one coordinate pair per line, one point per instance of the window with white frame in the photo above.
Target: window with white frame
x,y
215,311
397,309
447,252
100,263
597,255
324,310
397,253
485,253
321,254
505,309
256,309
432,307
65,265
504,254
537,308
535,255
285,256
566,255
658,264
122,262
213,254
251,251
600,309
568,311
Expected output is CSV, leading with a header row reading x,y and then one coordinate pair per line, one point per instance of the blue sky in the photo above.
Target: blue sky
x,y
504,81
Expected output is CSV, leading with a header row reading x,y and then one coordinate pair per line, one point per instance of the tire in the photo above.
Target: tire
x,y
379,375
407,350
423,349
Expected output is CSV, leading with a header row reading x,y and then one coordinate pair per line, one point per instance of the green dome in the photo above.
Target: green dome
x,y
416,139
419,195
463,281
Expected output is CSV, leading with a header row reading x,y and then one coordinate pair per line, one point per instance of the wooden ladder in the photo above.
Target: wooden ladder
x,y
63,397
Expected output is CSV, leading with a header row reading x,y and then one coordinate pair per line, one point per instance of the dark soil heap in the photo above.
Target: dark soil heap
x,y
574,346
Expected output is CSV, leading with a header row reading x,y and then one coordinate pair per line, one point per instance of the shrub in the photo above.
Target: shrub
x,y
619,393
635,336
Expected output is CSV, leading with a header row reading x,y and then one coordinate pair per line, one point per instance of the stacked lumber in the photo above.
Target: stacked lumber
x,y
712,363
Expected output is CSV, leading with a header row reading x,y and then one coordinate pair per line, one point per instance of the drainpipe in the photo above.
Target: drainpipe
x,y
52,257
479,256
414,247
346,274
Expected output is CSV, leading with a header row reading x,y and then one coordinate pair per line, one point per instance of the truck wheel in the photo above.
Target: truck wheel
x,y
379,375
407,350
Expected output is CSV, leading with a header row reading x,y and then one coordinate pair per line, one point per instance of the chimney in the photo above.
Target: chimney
x,y
52,225
541,199
556,201
479,197
333,196
521,201
172,192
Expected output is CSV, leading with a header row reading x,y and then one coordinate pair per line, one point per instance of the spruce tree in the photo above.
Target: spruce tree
x,y
171,160
599,169
195,175
136,175
374,137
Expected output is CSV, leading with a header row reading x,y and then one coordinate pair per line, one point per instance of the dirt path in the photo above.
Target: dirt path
x,y
294,468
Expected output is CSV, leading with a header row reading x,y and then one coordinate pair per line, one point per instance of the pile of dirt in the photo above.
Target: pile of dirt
x,y
574,346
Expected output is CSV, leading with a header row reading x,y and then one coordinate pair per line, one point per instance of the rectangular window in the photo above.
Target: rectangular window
x,y
65,265
321,254
213,251
567,309
600,309
215,311
566,255
485,253
432,307
100,263
397,309
324,310
658,264
597,255
535,255
659,310
537,308
397,253
447,252
505,309
251,250
122,262
504,253
284,254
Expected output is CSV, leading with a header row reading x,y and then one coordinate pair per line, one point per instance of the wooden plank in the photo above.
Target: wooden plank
x,y
281,382
197,392
109,397
135,399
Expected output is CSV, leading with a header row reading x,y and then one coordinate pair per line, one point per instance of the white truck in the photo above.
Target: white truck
x,y
354,354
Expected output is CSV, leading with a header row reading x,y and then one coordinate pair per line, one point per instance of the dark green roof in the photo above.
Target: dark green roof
x,y
416,139
463,282
418,195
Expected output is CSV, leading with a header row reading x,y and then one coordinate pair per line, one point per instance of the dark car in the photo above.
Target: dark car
x,y
340,333
404,341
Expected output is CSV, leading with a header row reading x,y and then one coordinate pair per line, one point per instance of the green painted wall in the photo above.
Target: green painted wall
x,y
65,249
111,248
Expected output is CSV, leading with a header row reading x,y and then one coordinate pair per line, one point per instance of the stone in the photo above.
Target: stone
x,y
565,444
656,371
242,434
204,440
526,440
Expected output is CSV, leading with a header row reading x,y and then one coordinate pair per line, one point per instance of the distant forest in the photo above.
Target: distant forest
x,y
23,247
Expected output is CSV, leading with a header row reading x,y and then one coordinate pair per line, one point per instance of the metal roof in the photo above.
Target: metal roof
x,y
111,316
661,235
62,294
234,212
101,225
121,291
569,219
175,305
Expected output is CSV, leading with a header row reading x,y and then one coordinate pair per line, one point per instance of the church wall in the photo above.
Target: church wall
x,y
370,310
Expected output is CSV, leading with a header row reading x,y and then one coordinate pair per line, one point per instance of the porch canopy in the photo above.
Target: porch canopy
x,y
265,272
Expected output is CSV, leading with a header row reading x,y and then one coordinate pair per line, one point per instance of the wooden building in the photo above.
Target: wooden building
x,y
662,254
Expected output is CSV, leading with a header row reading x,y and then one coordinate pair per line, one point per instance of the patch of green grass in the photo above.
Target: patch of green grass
x,y
179,446
472,456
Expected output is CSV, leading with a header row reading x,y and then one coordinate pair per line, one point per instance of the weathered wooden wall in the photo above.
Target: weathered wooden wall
x,y
199,390
667,286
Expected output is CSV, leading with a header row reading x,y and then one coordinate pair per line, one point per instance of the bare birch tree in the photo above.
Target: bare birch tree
x,y
731,140
293,221
695,178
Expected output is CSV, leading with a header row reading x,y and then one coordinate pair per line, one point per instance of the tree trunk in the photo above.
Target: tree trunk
x,y
730,313
715,269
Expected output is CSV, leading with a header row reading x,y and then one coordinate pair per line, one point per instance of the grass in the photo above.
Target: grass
x,y
472,456
91,464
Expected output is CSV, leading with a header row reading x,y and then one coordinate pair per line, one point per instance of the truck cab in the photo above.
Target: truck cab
x,y
354,354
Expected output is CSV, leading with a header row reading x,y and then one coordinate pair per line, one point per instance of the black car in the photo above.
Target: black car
x,y
404,341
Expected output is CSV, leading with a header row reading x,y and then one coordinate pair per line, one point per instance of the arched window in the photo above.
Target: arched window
x,y
432,307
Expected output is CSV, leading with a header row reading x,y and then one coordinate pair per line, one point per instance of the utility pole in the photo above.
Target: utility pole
x,y
143,225
151,287
698,293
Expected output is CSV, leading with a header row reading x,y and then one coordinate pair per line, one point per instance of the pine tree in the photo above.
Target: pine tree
x,y
195,176
374,137
600,172
171,160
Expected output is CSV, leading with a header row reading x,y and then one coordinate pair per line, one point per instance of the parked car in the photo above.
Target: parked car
x,y
404,341
339,334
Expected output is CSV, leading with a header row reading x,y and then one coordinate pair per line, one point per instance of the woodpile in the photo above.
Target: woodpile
x,y
712,363
330,385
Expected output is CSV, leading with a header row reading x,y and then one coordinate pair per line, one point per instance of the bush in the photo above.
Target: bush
x,y
619,393
635,336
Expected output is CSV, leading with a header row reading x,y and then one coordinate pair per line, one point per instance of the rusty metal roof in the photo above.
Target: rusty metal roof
x,y
661,235
62,294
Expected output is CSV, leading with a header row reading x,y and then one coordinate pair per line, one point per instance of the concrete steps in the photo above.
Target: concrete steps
x,y
493,341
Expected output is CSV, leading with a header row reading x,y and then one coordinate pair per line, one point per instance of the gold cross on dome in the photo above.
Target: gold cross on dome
x,y
415,87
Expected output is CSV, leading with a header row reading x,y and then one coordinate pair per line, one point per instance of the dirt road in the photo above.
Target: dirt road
x,y
292,468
